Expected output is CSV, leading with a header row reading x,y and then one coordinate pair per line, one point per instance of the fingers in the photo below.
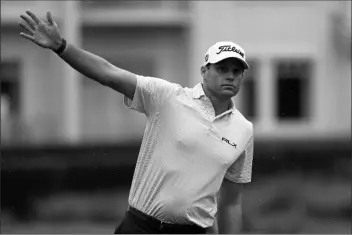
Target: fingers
x,y
34,17
27,36
30,22
50,18
26,27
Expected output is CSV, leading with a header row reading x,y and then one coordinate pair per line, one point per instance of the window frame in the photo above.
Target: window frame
x,y
250,76
306,88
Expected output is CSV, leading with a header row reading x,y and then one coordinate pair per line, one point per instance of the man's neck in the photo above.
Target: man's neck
x,y
219,105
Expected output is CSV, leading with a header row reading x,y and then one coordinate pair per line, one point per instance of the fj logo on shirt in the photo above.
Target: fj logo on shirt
x,y
229,48
227,141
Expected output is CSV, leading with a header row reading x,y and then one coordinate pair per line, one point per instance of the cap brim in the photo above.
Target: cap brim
x,y
225,56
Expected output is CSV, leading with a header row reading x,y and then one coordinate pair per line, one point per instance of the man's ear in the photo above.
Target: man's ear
x,y
243,73
203,70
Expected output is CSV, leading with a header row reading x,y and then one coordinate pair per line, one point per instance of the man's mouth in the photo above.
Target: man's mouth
x,y
229,86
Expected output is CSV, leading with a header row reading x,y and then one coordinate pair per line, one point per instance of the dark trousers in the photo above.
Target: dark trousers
x,y
138,222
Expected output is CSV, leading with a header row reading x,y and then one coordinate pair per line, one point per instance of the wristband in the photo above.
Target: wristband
x,y
61,48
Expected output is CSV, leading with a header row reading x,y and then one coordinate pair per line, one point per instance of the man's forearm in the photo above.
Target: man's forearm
x,y
230,219
89,64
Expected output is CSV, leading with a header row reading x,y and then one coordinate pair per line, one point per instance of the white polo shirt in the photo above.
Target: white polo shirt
x,y
186,152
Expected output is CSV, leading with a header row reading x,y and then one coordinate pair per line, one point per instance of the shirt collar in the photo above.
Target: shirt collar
x,y
198,93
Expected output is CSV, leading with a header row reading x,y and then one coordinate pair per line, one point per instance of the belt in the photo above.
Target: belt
x,y
164,227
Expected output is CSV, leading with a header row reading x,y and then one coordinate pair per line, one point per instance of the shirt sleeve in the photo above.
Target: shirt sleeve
x,y
241,170
150,94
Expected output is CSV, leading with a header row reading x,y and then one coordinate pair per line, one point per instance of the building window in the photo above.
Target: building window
x,y
292,87
9,72
10,101
248,91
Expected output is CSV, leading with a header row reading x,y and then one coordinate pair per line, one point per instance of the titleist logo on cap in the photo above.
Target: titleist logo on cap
x,y
229,48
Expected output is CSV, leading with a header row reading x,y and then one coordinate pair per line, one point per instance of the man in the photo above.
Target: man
x,y
197,147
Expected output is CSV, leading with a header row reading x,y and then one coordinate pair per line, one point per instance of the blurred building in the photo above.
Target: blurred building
x,y
297,93
298,87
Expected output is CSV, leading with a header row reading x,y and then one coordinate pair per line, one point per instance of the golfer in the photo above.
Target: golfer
x,y
197,148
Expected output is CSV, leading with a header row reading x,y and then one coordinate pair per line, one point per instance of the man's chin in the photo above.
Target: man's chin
x,y
228,93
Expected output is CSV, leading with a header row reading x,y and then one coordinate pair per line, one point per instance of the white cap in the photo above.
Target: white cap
x,y
226,49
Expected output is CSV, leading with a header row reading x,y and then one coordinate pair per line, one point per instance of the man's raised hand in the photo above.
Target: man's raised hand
x,y
43,33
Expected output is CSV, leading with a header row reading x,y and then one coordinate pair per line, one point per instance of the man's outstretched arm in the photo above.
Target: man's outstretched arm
x,y
46,34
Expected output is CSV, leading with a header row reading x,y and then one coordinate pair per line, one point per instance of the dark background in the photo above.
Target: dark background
x,y
297,187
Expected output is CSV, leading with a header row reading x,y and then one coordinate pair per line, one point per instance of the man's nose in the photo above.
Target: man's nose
x,y
230,76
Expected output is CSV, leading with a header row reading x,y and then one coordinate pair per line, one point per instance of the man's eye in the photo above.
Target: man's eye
x,y
237,72
222,69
